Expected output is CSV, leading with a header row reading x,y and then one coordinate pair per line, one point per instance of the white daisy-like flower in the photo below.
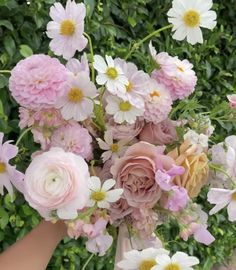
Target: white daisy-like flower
x,y
179,261
101,194
187,16
66,29
122,111
113,149
110,74
141,260
76,102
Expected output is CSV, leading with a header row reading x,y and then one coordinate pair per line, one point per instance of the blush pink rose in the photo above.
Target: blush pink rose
x,y
56,184
135,173
119,210
160,134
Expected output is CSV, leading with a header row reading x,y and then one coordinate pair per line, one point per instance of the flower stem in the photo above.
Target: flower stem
x,y
92,55
5,71
88,261
138,44
22,135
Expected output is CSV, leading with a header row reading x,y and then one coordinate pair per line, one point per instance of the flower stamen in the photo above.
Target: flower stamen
x,y
172,266
191,18
112,73
125,106
147,264
114,148
98,196
234,196
67,28
2,167
75,95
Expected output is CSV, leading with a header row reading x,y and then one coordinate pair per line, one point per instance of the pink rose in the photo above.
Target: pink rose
x,y
135,173
56,183
120,209
232,100
160,134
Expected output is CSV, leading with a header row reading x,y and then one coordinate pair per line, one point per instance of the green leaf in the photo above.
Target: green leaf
x,y
4,218
25,50
99,117
9,45
7,24
132,21
2,114
3,81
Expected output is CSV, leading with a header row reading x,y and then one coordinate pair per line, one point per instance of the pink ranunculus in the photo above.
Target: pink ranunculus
x,y
56,183
38,81
160,134
127,132
135,173
232,100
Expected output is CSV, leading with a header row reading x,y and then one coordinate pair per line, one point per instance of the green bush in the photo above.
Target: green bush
x,y
115,26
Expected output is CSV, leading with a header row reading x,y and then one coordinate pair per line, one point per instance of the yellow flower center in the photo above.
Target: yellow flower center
x,y
129,87
2,167
75,95
147,264
155,94
125,106
191,18
67,28
98,196
114,147
172,266
233,195
112,73
180,69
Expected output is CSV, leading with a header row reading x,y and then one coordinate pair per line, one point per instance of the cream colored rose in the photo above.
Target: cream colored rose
x,y
196,168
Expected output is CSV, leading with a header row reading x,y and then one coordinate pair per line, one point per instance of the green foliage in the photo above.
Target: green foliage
x,y
115,26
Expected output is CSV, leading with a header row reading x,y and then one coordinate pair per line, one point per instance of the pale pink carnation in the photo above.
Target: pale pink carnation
x,y
38,81
128,131
178,76
26,117
232,100
73,138
162,133
56,183
48,117
158,103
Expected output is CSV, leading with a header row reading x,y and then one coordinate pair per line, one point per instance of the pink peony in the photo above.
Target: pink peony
x,y
38,81
135,173
8,174
128,131
73,138
162,133
56,184
176,75
232,100
158,103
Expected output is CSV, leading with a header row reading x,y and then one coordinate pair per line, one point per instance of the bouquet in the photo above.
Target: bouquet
x,y
114,148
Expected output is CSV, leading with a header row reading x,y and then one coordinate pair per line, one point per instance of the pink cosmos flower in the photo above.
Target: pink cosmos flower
x,y
75,66
56,183
67,28
38,81
8,174
72,137
162,133
177,199
176,75
221,198
137,87
158,103
99,244
232,100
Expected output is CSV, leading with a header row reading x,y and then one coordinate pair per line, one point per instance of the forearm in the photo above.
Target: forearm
x,y
34,251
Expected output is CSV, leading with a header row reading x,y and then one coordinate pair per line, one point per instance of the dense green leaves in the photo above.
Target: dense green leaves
x,y
114,26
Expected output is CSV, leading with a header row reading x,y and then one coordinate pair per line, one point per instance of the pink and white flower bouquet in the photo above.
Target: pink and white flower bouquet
x,y
110,152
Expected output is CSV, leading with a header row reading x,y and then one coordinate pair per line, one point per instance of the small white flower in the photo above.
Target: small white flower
x,y
101,194
188,16
123,111
76,102
144,260
110,74
179,261
114,150
195,138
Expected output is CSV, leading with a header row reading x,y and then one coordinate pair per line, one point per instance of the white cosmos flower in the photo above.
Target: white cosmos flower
x,y
101,194
76,102
114,150
188,16
145,259
122,111
179,261
66,29
110,74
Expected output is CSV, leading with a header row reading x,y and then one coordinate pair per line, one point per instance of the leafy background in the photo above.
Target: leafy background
x,y
114,26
